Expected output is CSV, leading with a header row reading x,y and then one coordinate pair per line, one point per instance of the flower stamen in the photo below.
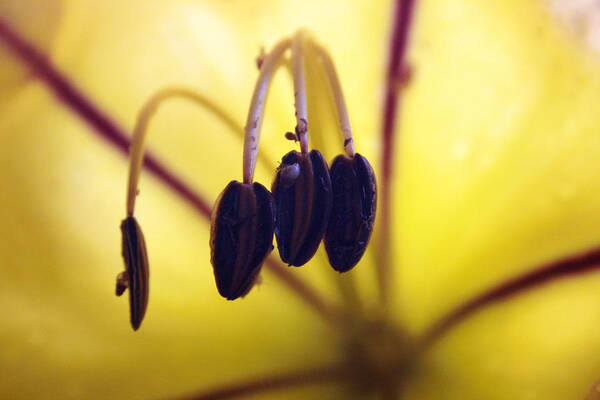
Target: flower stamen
x,y
148,110
268,66
104,126
299,77
396,67
338,96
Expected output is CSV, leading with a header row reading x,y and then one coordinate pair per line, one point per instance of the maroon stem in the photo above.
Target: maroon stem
x,y
396,75
576,264
272,383
107,129
90,113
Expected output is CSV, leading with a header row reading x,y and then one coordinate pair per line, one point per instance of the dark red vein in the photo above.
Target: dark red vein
x,y
396,75
109,130
566,267
103,125
271,383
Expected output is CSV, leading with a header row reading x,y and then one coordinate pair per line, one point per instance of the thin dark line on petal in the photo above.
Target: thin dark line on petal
x,y
108,130
272,383
395,79
101,122
567,267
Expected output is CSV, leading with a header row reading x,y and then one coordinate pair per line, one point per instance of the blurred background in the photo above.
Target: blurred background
x,y
497,171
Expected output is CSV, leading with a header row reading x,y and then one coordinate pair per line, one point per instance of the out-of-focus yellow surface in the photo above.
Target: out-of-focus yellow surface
x,y
498,171
500,163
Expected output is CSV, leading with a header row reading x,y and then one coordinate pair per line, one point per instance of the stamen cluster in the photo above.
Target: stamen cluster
x,y
308,202
311,201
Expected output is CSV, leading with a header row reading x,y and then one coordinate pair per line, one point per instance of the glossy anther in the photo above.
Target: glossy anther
x,y
353,214
241,236
303,205
136,275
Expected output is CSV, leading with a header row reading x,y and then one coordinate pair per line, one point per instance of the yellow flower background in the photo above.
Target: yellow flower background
x,y
497,172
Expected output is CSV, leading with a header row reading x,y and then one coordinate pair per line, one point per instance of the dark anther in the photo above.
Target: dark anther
x,y
136,275
353,214
241,236
302,193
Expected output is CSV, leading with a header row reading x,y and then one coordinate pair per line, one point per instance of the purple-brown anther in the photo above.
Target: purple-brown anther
x,y
353,213
302,193
241,236
136,275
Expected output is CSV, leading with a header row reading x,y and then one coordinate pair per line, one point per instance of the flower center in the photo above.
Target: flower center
x,y
378,355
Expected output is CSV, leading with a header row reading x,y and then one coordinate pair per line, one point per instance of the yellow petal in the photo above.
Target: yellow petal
x,y
67,335
500,150
499,174
541,345
38,21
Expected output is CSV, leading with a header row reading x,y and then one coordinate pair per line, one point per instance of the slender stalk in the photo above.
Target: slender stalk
x,y
395,71
149,109
581,263
338,97
105,127
345,282
299,77
268,67
321,375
